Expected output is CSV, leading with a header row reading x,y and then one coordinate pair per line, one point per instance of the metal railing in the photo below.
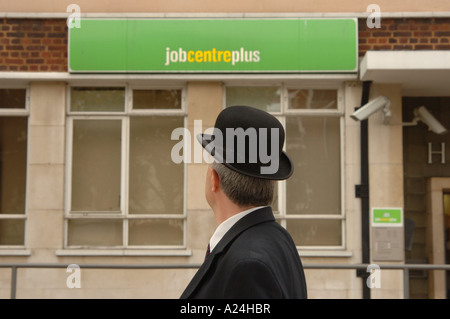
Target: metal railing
x,y
358,267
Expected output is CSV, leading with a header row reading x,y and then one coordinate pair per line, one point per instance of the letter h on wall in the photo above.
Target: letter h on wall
x,y
431,152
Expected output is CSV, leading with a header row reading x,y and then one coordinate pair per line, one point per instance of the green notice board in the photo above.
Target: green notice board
x,y
387,217
214,45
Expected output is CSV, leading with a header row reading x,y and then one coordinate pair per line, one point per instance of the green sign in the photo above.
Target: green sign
x,y
214,45
387,217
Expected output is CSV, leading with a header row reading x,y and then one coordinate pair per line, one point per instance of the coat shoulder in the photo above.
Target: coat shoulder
x,y
266,238
264,258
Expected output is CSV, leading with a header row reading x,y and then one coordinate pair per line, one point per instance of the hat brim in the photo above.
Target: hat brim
x,y
284,171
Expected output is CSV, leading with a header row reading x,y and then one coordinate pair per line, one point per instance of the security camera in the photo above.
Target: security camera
x,y
373,106
422,114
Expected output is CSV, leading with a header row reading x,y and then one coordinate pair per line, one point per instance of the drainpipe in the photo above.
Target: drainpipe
x,y
362,191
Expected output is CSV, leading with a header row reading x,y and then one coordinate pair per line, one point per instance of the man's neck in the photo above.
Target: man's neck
x,y
224,212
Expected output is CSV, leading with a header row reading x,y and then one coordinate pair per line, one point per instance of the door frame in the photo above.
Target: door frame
x,y
436,245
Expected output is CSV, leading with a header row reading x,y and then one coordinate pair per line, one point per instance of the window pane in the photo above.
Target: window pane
x,y
12,231
97,99
312,99
94,232
13,164
155,232
264,98
96,165
313,144
12,98
315,232
156,183
156,99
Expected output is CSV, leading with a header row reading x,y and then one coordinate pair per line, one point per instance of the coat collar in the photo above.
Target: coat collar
x,y
256,217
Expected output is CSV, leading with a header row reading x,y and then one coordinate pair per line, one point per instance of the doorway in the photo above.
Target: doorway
x,y
447,237
438,240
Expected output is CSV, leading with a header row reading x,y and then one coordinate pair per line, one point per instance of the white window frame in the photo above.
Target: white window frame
x,y
285,112
124,117
25,112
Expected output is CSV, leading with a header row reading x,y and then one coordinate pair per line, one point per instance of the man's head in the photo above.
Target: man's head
x,y
249,141
243,191
247,147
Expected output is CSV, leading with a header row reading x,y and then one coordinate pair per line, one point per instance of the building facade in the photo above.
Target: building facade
x,y
95,168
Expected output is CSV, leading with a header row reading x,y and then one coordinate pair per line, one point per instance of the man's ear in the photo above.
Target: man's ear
x,y
215,181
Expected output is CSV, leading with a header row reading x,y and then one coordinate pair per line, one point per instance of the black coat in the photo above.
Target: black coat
x,y
256,259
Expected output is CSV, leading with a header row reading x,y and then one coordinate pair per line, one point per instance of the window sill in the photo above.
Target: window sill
x,y
14,252
324,253
124,252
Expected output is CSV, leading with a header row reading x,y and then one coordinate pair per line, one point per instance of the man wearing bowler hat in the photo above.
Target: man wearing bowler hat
x,y
249,255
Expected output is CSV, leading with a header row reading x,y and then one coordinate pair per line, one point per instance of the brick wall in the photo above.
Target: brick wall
x,y
405,34
33,45
41,44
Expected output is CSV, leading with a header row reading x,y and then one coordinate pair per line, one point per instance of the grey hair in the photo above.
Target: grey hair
x,y
244,190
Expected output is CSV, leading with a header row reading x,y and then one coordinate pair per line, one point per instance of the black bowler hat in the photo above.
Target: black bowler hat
x,y
249,141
